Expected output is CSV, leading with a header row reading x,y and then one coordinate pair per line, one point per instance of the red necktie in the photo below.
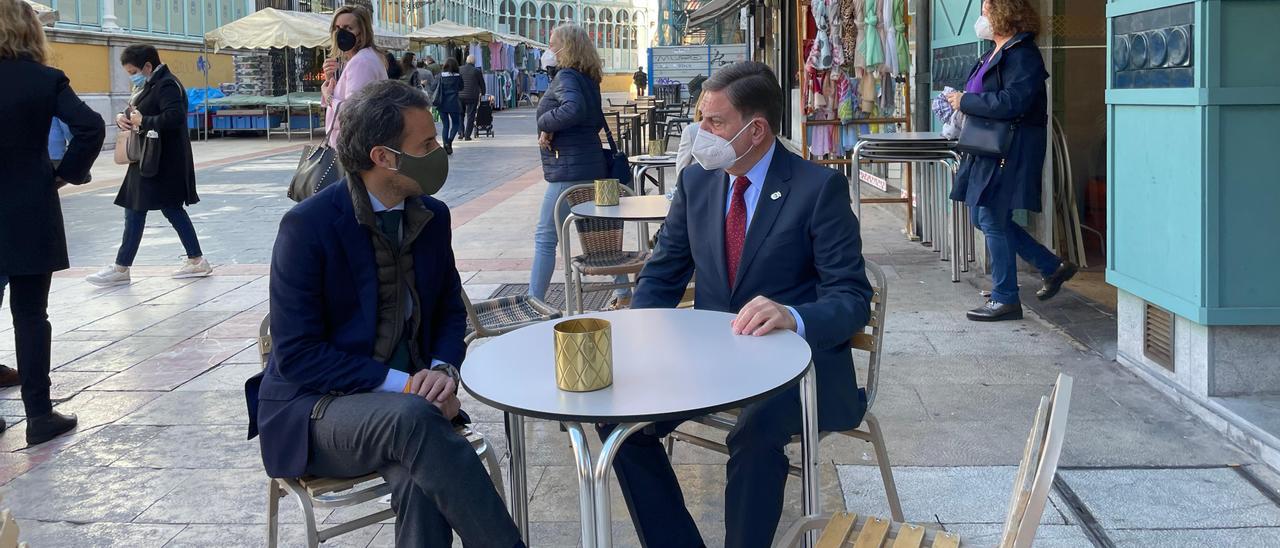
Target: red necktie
x,y
735,227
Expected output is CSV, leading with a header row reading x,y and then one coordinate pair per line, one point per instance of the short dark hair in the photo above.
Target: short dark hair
x,y
140,54
375,117
752,89
451,65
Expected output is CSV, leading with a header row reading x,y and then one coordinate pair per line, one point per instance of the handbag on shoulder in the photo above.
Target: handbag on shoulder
x,y
317,169
986,136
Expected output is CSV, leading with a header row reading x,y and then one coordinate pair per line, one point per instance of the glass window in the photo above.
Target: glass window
x,y
88,12
176,15
224,11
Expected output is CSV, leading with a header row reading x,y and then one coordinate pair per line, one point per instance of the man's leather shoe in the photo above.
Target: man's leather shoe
x,y
3,425
1054,282
9,377
995,312
46,427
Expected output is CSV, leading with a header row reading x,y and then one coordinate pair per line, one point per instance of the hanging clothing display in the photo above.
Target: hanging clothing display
x,y
900,28
890,37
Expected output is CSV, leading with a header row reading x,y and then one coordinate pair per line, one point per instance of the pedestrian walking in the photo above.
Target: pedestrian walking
x,y
641,81
31,231
472,90
1007,84
158,107
393,67
569,123
448,103
426,79
353,63
409,72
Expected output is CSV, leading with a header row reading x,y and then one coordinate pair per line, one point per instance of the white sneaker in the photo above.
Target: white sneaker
x,y
193,268
110,275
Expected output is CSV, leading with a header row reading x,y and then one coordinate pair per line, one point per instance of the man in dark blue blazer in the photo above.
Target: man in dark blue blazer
x,y
367,325
774,240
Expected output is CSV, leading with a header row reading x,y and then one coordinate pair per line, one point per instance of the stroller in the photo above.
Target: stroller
x,y
484,117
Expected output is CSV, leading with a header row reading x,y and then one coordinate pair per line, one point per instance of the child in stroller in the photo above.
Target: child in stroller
x,y
484,116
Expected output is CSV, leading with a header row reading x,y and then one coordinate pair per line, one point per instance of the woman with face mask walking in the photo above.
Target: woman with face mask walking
x,y
1007,85
569,124
354,63
158,112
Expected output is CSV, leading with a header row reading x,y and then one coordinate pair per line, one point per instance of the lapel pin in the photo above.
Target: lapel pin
x,y
775,195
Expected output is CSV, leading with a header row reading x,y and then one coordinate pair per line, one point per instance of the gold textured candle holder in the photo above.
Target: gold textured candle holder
x,y
657,147
607,192
584,354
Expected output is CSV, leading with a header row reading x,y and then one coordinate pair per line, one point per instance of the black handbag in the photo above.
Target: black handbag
x,y
986,136
616,163
317,169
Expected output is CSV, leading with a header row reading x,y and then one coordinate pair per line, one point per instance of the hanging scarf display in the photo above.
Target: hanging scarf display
x,y
900,26
820,53
889,35
860,30
849,31
873,48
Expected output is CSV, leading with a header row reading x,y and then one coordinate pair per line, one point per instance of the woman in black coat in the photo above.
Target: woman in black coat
x,y
33,244
448,102
1008,84
159,109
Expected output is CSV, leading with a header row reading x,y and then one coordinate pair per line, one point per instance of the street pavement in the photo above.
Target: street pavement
x,y
155,371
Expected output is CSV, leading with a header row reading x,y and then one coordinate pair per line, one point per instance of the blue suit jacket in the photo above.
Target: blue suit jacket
x,y
324,299
803,249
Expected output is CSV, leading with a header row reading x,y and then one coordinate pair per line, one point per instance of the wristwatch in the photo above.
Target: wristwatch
x,y
451,371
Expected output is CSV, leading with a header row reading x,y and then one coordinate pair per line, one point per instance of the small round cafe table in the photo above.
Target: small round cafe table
x,y
667,364
640,209
640,166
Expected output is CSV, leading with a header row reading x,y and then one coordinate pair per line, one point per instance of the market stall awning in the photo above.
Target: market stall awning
x,y
713,11
445,31
273,28
47,15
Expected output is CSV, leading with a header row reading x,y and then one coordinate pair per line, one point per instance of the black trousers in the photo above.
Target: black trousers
x,y
757,477
438,485
29,302
470,106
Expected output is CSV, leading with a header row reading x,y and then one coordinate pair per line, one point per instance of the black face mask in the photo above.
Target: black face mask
x,y
346,41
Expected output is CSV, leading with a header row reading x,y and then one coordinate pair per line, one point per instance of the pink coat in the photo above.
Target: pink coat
x,y
365,66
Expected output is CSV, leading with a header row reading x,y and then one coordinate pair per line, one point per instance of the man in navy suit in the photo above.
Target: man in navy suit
x,y
367,325
774,240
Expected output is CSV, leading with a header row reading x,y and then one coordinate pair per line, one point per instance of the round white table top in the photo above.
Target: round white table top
x,y
667,364
629,208
665,160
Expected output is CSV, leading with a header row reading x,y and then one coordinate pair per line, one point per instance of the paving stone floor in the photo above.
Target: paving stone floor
x,y
155,371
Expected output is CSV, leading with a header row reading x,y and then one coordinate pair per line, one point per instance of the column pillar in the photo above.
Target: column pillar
x,y
109,22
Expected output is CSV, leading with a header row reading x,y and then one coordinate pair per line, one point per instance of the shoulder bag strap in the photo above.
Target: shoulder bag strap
x,y
613,146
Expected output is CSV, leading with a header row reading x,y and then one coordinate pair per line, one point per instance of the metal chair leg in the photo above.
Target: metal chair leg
x,y
495,469
273,514
669,443
886,471
308,513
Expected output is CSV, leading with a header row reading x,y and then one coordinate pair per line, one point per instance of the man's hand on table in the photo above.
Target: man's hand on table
x,y
762,316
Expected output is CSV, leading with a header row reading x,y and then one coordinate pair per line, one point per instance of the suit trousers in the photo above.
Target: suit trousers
x,y
757,478
470,106
438,485
29,303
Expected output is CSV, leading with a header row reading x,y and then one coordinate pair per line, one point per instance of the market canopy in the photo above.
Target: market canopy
x,y
273,28
445,31
713,11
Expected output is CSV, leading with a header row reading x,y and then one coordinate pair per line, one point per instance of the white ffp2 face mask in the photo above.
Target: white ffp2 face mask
x,y
982,28
713,152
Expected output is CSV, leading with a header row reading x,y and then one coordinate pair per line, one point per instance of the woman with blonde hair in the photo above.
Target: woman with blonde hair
x,y
1008,85
31,231
353,63
569,123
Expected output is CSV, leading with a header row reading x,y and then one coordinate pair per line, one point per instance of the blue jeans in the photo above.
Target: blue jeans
x,y
545,240
452,123
1006,241
136,221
